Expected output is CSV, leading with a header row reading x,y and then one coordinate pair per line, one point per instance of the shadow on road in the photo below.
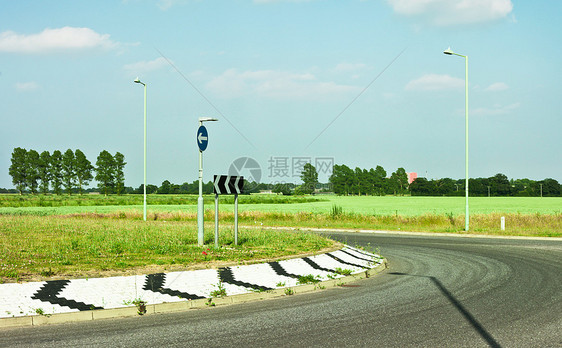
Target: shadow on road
x,y
467,315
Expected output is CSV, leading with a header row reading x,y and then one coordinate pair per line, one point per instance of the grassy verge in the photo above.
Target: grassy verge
x,y
51,247
39,200
537,225
533,225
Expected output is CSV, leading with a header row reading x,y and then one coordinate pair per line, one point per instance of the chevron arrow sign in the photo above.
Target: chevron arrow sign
x,y
228,184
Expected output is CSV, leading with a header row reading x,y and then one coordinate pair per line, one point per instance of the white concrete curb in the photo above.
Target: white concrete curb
x,y
88,299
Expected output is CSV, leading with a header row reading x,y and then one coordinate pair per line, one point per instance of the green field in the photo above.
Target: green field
x,y
525,216
365,205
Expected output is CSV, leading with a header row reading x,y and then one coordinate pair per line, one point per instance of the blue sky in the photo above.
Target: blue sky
x,y
364,83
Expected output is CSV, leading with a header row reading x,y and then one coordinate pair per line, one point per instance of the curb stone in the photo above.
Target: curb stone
x,y
199,303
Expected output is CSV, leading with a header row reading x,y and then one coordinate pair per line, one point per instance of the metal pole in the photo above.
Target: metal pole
x,y
236,219
450,52
466,219
200,205
144,204
216,220
200,208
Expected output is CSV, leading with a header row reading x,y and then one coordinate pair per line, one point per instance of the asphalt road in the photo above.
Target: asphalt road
x,y
437,292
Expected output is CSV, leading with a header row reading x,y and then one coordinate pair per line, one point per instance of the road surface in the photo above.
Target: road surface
x,y
437,292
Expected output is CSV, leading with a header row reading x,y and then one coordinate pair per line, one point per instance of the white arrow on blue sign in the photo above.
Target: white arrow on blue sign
x,y
202,138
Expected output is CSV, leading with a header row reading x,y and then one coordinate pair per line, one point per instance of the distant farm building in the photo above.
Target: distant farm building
x,y
411,177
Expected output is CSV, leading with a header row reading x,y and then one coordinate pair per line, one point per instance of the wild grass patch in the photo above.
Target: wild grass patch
x,y
88,245
536,224
40,200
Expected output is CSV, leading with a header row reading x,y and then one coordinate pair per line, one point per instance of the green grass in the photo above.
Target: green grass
x,y
411,206
537,225
365,205
39,200
34,247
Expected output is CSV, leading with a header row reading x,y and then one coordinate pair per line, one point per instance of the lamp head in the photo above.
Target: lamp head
x,y
137,80
448,51
207,119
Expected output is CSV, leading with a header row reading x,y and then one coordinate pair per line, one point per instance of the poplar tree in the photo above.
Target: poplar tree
x,y
105,175
83,169
18,170
44,169
379,180
68,171
119,166
56,171
32,170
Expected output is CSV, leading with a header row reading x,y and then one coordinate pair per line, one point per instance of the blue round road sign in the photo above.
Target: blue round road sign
x,y
202,138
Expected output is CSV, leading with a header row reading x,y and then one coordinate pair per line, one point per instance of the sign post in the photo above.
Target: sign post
x,y
202,142
236,219
227,184
216,220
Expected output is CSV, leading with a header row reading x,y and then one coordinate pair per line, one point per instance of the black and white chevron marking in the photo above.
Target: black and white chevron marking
x,y
317,266
50,291
279,270
348,248
226,276
344,262
155,283
228,185
241,277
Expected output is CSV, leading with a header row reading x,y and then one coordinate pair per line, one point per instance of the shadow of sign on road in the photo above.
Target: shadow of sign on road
x,y
466,314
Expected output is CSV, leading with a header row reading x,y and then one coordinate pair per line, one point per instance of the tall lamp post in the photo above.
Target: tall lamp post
x,y
137,80
202,141
448,51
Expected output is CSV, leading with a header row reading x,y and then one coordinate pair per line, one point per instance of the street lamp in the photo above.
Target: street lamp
x,y
144,186
200,207
448,51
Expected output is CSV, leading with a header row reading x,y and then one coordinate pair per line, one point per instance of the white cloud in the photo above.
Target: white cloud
x,y
26,86
495,110
145,66
66,38
276,84
453,12
497,87
434,82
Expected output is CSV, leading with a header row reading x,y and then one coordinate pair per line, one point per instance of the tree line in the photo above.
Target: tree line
x,y
347,181
497,185
70,170
168,187
309,176
375,182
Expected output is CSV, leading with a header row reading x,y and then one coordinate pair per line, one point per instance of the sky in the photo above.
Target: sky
x,y
355,82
